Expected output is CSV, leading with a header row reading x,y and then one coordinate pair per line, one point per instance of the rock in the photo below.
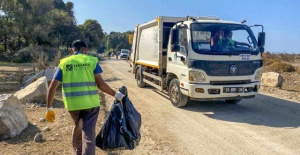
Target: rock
x,y
48,73
32,106
272,79
35,92
46,129
42,119
13,119
38,137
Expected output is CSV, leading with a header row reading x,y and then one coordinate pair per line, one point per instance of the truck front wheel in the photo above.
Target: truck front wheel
x,y
139,79
177,98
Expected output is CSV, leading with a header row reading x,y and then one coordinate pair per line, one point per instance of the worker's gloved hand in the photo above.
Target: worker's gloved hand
x,y
119,96
50,115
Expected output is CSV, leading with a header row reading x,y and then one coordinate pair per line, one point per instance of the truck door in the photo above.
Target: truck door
x,y
177,60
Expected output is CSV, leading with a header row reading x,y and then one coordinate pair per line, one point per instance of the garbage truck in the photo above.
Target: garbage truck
x,y
198,58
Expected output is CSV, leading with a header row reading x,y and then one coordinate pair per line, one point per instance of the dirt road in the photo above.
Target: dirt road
x,y
263,125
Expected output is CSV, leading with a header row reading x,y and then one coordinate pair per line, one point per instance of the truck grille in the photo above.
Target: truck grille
x,y
222,68
229,82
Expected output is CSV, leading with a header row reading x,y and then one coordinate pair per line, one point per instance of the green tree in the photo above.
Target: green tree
x,y
6,17
62,29
117,41
59,4
92,33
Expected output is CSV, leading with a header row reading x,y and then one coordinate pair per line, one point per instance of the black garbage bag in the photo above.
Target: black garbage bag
x,y
121,129
110,136
133,120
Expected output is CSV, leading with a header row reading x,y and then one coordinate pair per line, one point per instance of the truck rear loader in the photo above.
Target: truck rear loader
x,y
198,58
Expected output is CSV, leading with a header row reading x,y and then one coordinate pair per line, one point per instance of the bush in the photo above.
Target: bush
x,y
93,53
40,57
57,58
282,67
286,57
4,58
267,62
23,55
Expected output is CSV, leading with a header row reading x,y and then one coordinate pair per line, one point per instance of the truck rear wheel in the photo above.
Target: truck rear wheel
x,y
233,101
177,98
139,79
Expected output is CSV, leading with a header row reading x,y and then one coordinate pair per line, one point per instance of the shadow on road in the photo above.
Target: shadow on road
x,y
111,79
262,110
26,136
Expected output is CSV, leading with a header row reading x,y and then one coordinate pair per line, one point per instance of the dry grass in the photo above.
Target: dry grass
x,y
297,69
281,67
286,64
267,62
282,56
57,58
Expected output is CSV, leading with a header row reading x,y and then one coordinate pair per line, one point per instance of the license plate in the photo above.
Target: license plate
x,y
233,90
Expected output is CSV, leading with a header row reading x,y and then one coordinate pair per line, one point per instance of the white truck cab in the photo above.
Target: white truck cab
x,y
200,59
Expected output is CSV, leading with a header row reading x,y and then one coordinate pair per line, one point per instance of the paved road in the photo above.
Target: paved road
x,y
263,125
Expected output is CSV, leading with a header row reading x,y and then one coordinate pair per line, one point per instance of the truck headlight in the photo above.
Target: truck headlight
x,y
195,76
258,75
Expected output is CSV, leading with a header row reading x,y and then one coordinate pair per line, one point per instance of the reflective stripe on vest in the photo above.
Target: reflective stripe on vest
x,y
79,88
78,84
80,93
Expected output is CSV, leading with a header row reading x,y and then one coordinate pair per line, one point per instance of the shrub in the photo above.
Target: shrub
x,y
4,58
286,57
23,55
267,62
93,53
282,67
40,57
57,58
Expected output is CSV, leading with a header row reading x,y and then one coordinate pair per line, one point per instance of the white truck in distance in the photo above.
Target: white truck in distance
x,y
202,59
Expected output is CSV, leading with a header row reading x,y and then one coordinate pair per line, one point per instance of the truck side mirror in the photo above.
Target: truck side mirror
x,y
261,41
175,36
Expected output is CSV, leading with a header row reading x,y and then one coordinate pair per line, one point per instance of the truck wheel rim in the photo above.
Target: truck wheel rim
x,y
174,93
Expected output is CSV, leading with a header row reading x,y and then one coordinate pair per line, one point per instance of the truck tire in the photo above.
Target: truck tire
x,y
235,101
177,98
139,79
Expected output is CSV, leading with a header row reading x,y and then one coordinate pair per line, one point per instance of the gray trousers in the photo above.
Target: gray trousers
x,y
83,136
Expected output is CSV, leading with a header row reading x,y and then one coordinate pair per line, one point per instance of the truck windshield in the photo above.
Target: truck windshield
x,y
231,39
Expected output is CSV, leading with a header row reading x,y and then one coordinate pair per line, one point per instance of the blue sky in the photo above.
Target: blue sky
x,y
281,18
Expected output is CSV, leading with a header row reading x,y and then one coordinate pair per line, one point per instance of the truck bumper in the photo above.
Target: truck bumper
x,y
204,92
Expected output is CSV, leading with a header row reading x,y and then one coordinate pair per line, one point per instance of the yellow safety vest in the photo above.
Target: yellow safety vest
x,y
79,88
223,42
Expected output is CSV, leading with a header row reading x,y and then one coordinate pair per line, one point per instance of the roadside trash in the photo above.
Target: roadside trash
x,y
121,129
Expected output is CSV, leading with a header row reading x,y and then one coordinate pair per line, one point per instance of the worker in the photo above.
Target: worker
x,y
80,76
224,39
215,39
